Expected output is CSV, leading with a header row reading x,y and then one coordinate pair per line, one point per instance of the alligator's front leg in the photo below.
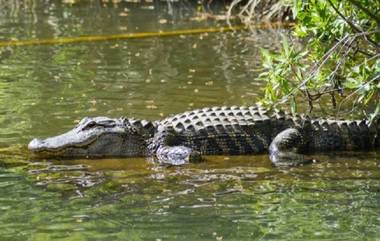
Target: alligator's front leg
x,y
167,148
176,155
286,148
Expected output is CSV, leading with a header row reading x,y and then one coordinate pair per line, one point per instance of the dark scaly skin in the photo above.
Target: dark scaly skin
x,y
218,130
250,130
321,135
208,131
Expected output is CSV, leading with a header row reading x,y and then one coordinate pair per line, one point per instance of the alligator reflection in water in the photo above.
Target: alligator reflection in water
x,y
210,131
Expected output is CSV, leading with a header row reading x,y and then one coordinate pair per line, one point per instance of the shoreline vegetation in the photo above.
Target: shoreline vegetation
x,y
338,65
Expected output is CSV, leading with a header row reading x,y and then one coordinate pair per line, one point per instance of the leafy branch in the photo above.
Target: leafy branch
x,y
341,59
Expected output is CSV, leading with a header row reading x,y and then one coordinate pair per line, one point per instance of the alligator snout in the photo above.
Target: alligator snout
x,y
35,144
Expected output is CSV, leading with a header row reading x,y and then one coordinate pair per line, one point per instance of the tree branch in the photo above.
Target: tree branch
x,y
369,13
351,24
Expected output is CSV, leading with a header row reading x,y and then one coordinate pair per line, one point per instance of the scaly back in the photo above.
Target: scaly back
x,y
220,130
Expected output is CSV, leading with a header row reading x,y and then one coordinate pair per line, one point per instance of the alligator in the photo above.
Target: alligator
x,y
188,136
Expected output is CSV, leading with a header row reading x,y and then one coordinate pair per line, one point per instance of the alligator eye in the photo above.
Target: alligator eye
x,y
89,125
107,123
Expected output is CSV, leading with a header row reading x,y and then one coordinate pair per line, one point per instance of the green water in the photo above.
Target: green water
x,y
45,90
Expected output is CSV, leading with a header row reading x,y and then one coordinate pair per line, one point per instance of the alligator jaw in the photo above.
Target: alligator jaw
x,y
39,149
55,146
38,145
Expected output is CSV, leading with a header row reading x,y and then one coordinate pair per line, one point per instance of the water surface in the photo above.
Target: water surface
x,y
46,89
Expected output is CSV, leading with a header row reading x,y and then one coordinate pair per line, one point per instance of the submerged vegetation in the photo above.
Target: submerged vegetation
x,y
338,57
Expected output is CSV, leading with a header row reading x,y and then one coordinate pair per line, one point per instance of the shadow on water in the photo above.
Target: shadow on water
x,y
44,90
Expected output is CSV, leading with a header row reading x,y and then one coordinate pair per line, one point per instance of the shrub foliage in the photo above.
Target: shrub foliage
x,y
339,58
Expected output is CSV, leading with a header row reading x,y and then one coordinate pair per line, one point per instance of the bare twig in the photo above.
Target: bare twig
x,y
377,77
316,68
351,24
369,13
342,60
366,84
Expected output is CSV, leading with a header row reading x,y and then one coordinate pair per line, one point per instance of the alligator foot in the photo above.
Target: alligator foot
x,y
176,155
286,147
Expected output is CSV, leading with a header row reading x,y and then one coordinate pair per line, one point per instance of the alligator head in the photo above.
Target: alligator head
x,y
93,137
